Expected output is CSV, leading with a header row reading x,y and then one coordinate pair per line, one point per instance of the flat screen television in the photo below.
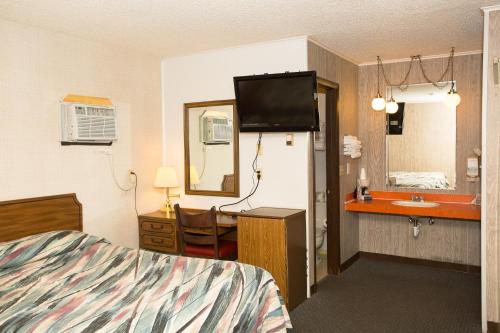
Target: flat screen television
x,y
285,102
396,121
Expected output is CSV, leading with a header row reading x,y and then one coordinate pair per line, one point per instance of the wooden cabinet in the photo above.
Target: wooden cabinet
x,y
275,239
157,232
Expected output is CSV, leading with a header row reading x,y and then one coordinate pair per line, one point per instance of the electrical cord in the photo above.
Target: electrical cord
x,y
245,198
112,167
135,192
255,167
255,172
125,189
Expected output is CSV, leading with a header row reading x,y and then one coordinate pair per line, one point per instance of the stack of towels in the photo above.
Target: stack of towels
x,y
352,146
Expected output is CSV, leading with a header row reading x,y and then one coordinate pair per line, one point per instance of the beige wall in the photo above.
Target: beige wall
x,y
427,142
493,168
390,235
334,68
37,69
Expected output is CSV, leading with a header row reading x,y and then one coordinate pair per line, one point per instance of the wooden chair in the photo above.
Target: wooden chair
x,y
228,183
198,236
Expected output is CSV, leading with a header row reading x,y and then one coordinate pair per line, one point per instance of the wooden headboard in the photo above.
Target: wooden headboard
x,y
25,217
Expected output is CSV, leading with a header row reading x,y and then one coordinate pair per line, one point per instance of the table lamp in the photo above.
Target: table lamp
x,y
166,177
194,179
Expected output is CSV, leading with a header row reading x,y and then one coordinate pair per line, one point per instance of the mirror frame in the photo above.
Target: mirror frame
x,y
236,154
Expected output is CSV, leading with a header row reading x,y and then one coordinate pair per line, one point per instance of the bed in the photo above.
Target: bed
x,y
55,278
421,180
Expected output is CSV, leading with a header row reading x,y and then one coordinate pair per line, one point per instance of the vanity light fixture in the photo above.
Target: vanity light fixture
x,y
378,103
391,106
452,99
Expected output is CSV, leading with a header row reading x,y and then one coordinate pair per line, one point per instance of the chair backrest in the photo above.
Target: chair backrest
x,y
228,183
205,225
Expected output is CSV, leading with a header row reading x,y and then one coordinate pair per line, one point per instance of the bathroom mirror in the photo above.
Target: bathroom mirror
x,y
421,138
211,164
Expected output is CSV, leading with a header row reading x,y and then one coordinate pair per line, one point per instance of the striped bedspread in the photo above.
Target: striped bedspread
x,y
70,281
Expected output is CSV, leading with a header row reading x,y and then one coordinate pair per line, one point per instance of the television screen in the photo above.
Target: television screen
x,y
285,102
396,121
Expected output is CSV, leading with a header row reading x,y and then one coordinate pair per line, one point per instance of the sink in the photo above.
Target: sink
x,y
409,203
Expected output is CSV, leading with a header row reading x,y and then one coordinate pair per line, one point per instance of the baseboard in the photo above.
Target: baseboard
x,y
423,262
493,327
346,264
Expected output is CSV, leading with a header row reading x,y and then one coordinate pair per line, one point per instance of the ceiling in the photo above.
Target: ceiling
x,y
357,29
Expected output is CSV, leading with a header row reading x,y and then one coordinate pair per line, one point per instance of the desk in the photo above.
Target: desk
x,y
158,231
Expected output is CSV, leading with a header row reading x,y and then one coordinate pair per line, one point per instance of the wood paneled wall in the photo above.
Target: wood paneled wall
x,y
334,68
454,241
493,179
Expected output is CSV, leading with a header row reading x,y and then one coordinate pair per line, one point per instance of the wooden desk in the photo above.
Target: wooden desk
x,y
158,230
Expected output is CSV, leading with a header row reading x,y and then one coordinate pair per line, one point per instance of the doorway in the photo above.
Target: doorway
x,y
326,209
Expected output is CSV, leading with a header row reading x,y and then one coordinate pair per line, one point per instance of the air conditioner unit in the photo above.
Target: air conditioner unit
x,y
87,124
216,129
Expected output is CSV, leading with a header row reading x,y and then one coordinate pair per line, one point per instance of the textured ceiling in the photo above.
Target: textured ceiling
x,y
358,29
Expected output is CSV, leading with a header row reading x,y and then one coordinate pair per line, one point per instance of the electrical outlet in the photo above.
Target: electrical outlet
x,y
259,172
131,175
348,168
259,150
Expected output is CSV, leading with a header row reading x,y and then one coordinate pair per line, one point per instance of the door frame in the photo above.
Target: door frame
x,y
332,142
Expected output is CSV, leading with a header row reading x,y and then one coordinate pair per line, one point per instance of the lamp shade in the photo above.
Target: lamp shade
x,y
194,179
166,177
452,99
391,107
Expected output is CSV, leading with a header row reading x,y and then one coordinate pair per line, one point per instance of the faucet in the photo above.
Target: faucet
x,y
417,198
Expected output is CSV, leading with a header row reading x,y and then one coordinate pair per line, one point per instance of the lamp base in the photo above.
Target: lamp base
x,y
167,208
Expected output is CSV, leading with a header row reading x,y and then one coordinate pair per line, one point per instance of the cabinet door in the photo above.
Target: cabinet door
x,y
262,243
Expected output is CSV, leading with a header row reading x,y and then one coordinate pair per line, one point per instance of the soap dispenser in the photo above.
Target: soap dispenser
x,y
363,183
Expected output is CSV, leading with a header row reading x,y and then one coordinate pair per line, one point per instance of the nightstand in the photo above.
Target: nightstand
x,y
158,233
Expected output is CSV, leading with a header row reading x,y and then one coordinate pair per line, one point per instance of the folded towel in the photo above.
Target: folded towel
x,y
356,155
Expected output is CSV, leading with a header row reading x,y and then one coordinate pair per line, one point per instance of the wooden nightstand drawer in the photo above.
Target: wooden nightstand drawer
x,y
158,232
158,241
166,228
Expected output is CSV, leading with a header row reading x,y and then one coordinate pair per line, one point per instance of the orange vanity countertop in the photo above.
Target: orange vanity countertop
x,y
451,206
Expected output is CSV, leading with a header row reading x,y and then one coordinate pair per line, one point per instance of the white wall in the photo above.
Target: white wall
x,y
37,69
209,76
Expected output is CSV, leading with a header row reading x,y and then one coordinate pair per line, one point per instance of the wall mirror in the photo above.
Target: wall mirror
x,y
421,138
211,157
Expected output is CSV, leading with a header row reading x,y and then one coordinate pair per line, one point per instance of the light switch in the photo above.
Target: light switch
x,y
342,170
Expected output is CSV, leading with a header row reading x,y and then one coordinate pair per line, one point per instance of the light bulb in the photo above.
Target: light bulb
x,y
378,103
452,99
391,107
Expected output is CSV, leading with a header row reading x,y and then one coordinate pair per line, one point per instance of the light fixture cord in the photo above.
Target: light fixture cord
x,y
403,85
378,76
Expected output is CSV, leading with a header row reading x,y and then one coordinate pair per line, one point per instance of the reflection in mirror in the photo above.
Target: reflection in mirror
x,y
421,138
211,152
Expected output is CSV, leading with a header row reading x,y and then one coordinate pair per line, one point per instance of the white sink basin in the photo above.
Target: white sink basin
x,y
409,203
